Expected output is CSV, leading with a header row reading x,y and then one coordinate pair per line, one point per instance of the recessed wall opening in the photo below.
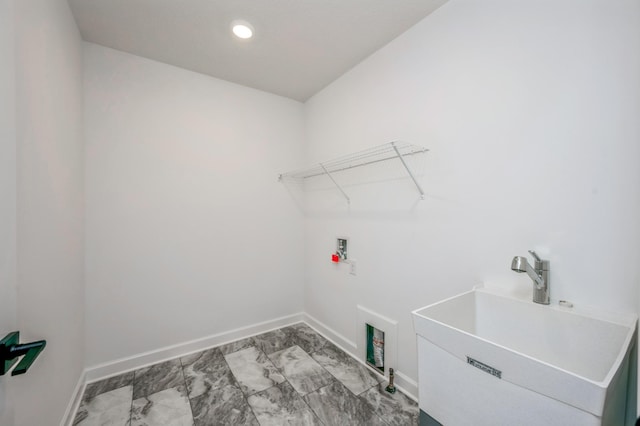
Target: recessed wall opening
x,y
385,338
375,348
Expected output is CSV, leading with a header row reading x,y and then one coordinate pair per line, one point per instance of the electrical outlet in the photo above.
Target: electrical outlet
x,y
352,269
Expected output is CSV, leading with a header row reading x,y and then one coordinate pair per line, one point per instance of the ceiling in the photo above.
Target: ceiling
x,y
299,47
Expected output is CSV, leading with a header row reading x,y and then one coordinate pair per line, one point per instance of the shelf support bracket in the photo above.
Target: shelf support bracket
x,y
393,144
335,183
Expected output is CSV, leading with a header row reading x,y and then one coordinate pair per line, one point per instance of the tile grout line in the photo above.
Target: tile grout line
x,y
335,379
133,385
186,388
298,393
310,407
296,342
244,396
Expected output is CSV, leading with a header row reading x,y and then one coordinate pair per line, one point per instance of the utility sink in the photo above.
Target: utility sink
x,y
579,358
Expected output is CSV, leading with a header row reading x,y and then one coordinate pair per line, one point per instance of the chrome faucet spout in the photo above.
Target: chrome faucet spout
x,y
520,264
539,274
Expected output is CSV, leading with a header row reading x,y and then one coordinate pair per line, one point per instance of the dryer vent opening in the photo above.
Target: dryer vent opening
x,y
375,348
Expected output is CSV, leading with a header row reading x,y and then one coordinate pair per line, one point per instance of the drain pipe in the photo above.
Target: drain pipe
x,y
390,388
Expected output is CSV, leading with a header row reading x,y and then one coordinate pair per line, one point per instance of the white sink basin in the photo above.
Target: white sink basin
x,y
570,356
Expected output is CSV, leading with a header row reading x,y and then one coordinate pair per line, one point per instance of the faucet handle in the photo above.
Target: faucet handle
x,y
540,264
535,256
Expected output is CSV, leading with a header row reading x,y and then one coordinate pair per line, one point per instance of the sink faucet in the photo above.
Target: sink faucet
x,y
539,274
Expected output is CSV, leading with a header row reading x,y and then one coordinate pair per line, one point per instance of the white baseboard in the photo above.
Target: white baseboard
x,y
102,371
74,403
407,385
134,362
332,335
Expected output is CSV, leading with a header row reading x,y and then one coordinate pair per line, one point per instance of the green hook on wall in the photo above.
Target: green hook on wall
x,y
11,350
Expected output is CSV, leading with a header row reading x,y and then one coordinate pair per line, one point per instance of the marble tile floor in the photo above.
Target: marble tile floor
x,y
289,376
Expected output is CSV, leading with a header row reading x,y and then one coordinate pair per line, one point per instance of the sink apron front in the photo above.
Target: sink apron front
x,y
454,393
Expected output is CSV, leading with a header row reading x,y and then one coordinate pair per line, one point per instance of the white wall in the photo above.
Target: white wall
x,y
189,233
49,189
7,165
530,110
7,194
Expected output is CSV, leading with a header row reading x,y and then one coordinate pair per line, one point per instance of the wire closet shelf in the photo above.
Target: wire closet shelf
x,y
388,151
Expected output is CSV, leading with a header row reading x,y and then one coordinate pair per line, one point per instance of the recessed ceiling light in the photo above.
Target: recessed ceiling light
x,y
242,29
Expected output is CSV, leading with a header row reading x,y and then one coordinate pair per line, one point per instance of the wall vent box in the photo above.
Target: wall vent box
x,y
375,348
341,248
367,318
